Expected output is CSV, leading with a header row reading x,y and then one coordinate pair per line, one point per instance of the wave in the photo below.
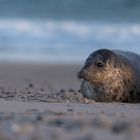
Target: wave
x,y
56,40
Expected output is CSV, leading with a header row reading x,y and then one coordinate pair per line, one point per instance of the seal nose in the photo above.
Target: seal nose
x,y
81,74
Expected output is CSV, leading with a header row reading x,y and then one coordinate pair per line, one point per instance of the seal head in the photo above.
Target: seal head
x,y
108,76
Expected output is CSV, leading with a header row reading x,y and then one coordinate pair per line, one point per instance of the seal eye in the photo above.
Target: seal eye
x,y
99,64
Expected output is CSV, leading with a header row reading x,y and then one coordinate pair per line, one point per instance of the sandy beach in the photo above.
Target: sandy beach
x,y
43,101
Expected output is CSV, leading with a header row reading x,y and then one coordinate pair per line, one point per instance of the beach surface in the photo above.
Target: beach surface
x,y
43,101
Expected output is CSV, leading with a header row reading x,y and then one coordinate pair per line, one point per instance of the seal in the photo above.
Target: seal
x,y
111,76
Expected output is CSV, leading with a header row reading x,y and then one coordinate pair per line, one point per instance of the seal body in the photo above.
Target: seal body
x,y
111,75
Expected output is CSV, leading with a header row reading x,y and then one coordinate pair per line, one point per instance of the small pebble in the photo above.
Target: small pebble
x,y
42,89
79,91
120,127
31,85
62,91
70,110
71,90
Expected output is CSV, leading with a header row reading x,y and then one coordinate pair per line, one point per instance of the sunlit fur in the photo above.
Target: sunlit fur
x,y
115,81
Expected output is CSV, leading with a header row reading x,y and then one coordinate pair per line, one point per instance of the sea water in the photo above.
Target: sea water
x,y
66,31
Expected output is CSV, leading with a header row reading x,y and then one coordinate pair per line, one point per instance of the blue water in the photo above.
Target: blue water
x,y
68,31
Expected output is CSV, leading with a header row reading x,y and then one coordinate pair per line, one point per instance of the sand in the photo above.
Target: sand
x,y
43,102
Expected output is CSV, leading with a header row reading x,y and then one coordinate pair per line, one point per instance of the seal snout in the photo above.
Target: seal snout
x,y
82,74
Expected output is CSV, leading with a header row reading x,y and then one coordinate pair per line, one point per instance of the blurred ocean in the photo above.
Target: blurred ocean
x,y
66,30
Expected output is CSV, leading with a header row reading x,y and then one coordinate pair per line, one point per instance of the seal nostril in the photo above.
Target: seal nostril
x,y
81,74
